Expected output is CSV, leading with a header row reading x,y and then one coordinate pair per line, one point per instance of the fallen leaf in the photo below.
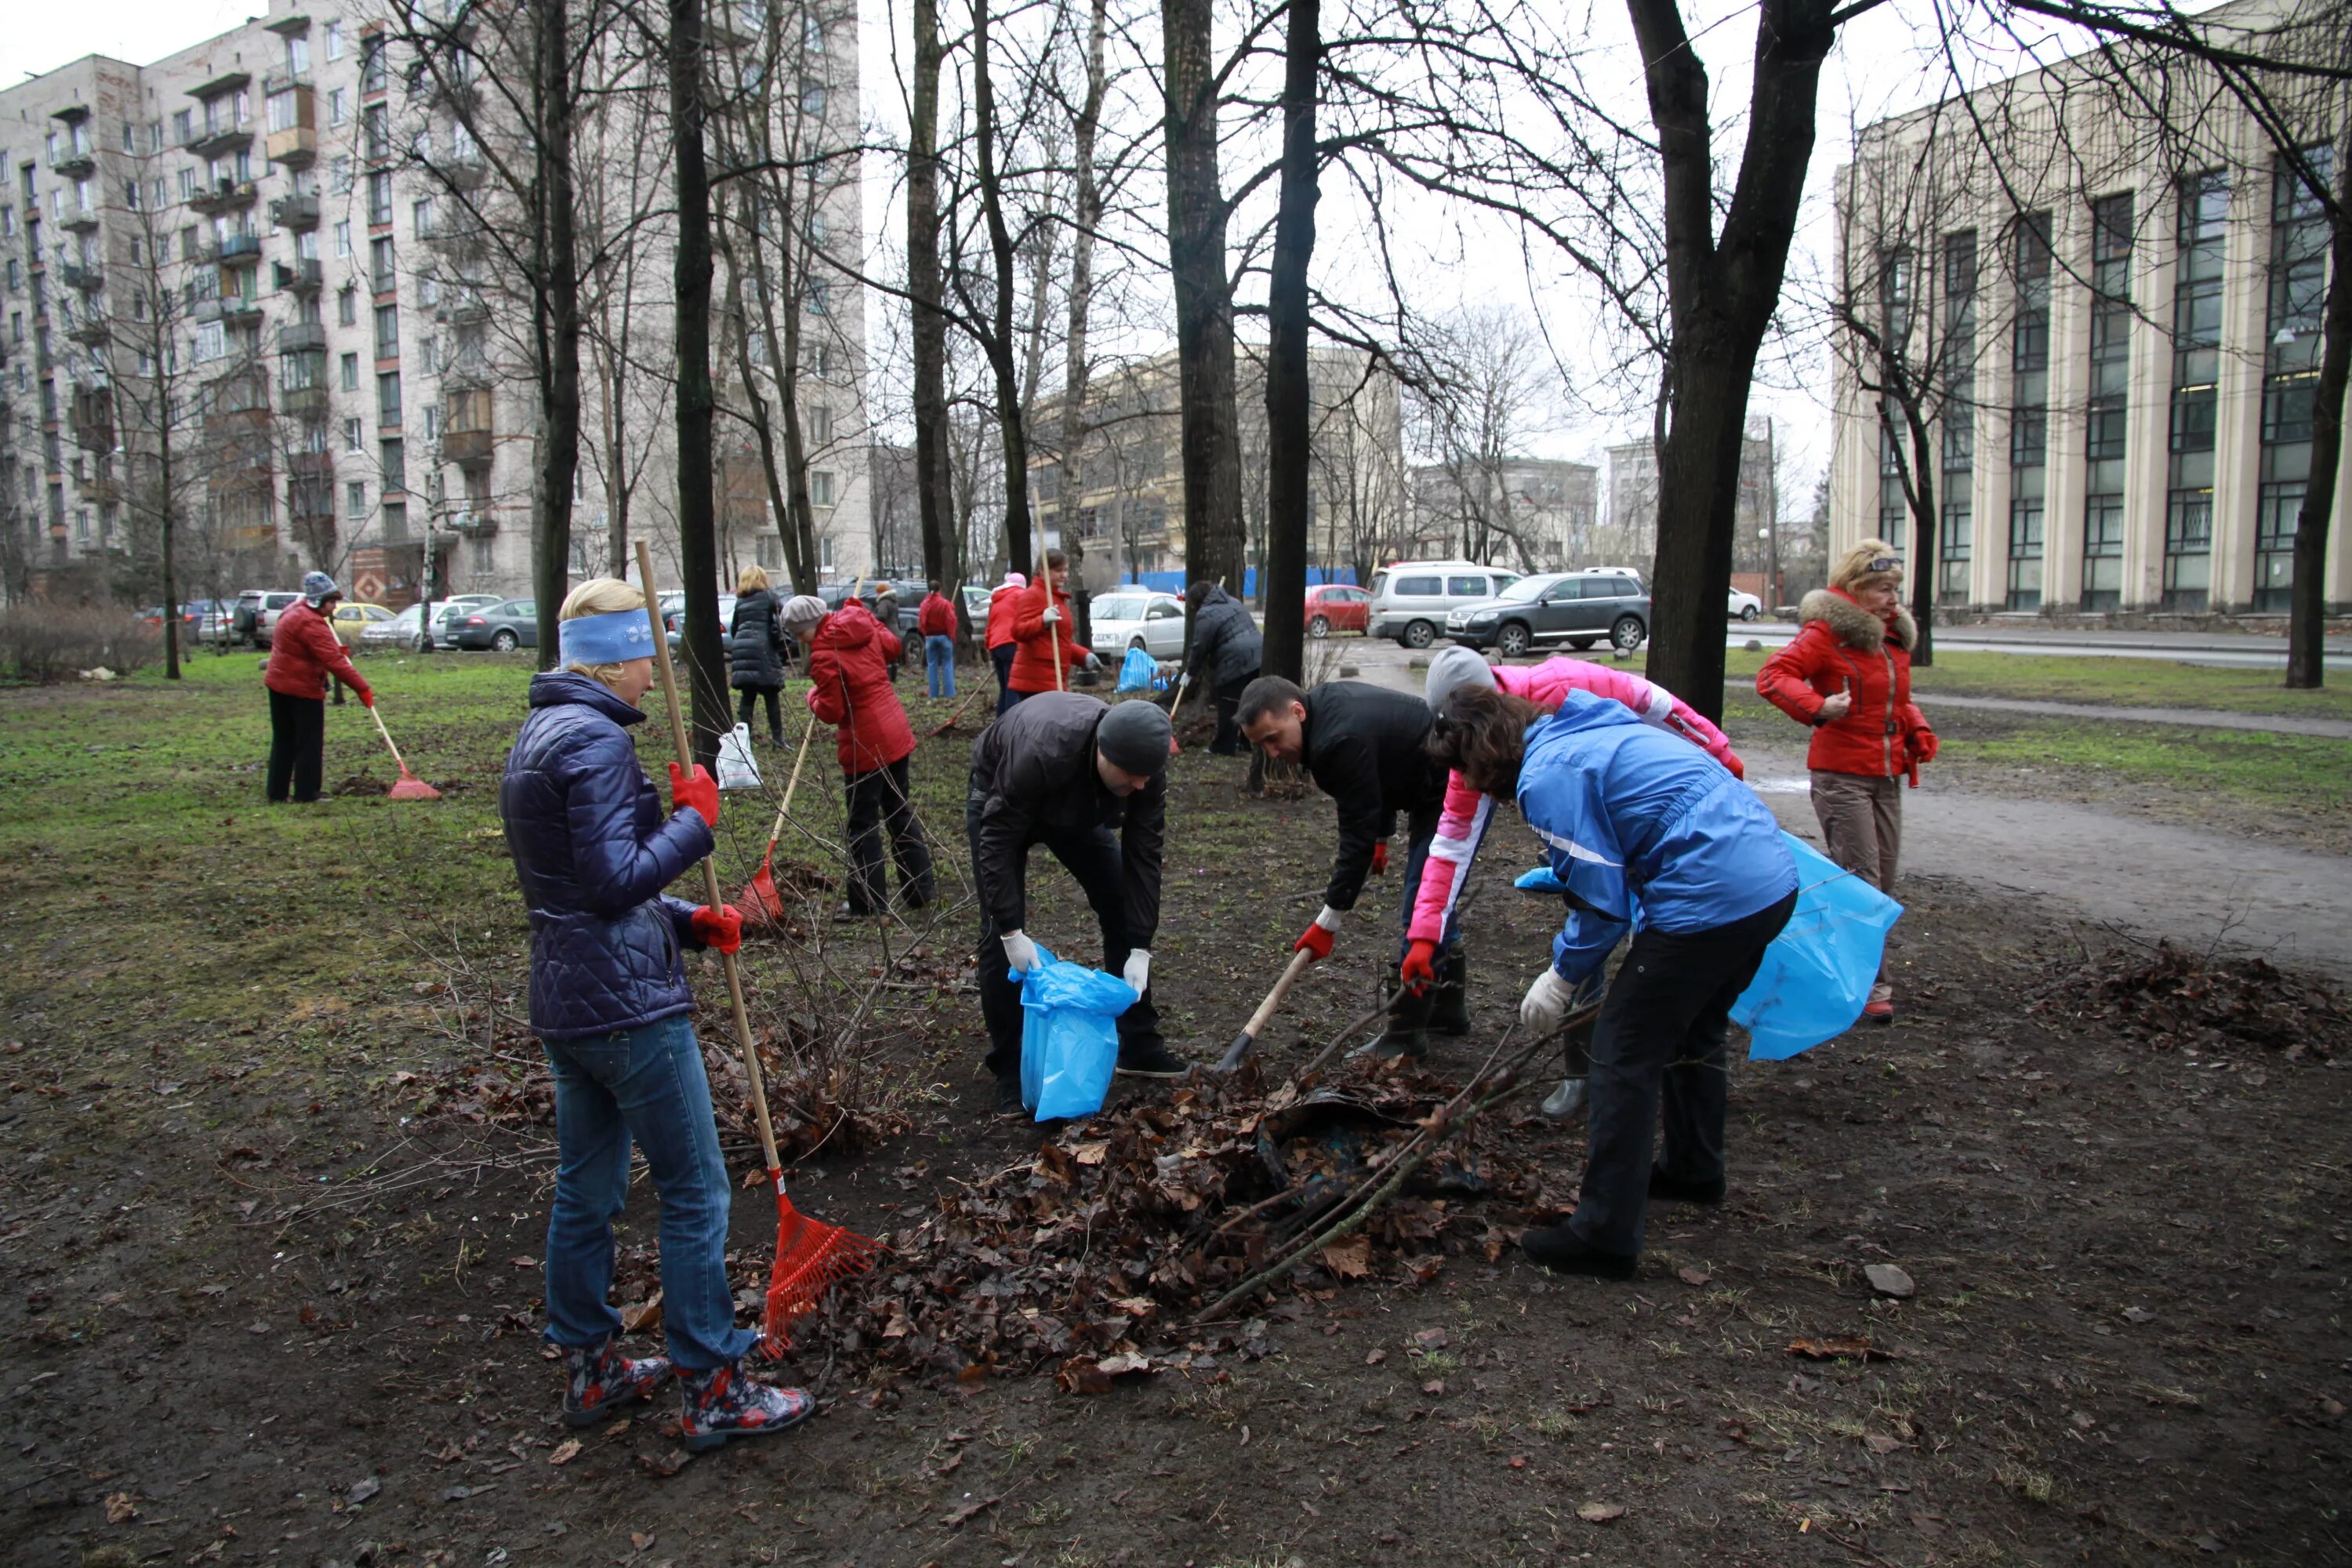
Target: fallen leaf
x,y
957,1517
1694,1277
661,1467
1600,1512
1374,1358
1430,1340
1880,1443
1123,1363
643,1318
519,1262
640,1541
118,1509
1091,1154
1351,1259
566,1452
1844,1347
2331,1408
1889,1280
362,1490
1435,1386
617,1428
1518,1461
2138,1315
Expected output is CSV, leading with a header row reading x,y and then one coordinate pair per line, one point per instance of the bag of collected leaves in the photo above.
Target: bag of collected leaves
x,y
1069,1035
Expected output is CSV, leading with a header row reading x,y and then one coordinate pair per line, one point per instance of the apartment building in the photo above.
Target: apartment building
x,y
1628,535
1535,514
2109,325
267,254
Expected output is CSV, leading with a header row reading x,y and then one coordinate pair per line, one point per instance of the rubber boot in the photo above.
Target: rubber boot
x,y
1450,1010
1407,1033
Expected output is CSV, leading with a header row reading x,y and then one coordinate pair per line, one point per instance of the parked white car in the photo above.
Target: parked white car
x,y
1131,617
1744,606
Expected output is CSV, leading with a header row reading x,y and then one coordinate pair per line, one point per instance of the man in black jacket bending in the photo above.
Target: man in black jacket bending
x,y
1226,655
1362,746
1063,769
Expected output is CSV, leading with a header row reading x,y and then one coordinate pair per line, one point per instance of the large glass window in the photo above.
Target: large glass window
x,y
2298,289
1954,538
2107,417
2202,233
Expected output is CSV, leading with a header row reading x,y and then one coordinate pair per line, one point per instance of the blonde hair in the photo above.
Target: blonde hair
x,y
1852,570
751,579
600,596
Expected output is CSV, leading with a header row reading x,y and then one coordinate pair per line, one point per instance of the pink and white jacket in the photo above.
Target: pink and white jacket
x,y
1463,824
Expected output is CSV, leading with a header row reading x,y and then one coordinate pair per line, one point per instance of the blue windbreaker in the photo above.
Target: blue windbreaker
x,y
1644,829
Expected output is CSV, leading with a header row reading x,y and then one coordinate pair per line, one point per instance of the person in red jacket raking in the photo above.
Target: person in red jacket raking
x,y
303,651
1847,673
935,618
1046,651
849,677
1000,648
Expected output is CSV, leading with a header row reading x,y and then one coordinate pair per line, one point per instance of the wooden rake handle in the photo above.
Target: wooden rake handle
x,y
776,830
403,765
1242,1042
715,895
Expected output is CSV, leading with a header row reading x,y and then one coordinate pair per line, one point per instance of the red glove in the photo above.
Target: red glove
x,y
700,792
367,697
1739,769
721,928
1381,858
1420,969
1924,744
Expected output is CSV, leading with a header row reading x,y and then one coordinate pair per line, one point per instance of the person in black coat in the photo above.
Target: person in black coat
x,y
1088,780
1363,746
1225,655
756,651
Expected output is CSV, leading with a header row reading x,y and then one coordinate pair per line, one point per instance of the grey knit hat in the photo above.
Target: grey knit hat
x,y
1133,737
1451,670
803,610
317,588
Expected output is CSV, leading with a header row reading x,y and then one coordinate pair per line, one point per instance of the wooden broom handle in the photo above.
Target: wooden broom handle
x,y
717,896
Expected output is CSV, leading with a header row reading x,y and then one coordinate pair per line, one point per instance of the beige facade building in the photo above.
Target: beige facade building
x,y
259,251
2111,330
1535,514
1629,531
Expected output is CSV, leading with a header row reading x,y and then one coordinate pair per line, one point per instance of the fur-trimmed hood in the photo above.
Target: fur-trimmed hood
x,y
1856,626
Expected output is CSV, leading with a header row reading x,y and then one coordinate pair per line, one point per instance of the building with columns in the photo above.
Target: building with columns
x,y
2108,328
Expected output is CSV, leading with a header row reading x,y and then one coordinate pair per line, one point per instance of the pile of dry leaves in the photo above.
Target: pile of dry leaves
x,y
2175,998
1095,1254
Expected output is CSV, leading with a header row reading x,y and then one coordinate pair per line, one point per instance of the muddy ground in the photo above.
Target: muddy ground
x,y
254,1315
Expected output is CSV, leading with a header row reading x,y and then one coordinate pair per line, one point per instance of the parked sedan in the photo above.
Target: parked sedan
x,y
1133,618
501,628
1743,607
351,619
1578,608
393,631
1337,608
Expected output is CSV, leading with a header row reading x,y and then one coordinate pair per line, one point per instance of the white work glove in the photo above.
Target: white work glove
x,y
1021,953
1547,1002
1137,971
1094,661
1053,615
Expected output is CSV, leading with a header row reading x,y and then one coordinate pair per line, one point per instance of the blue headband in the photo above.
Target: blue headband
x,y
606,639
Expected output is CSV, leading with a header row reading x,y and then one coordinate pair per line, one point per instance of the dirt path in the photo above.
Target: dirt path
x,y
2195,718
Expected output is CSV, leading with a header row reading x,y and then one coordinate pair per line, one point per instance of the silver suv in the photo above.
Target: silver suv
x,y
1411,599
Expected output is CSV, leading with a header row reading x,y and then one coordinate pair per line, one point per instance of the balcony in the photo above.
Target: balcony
x,y
475,524
301,337
466,448
463,305
227,195
229,309
100,489
461,241
74,163
232,247
311,505
462,174
82,222
303,402
302,275
86,275
95,333
93,421
298,213
311,467
212,140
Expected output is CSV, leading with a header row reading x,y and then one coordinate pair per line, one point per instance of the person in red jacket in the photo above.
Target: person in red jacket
x,y
1847,673
935,618
849,658
303,651
1038,627
1001,651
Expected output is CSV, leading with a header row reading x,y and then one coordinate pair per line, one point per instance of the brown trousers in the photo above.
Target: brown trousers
x,y
1862,820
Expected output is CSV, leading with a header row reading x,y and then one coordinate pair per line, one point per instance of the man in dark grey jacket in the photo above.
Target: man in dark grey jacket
x,y
1225,655
1362,745
1090,782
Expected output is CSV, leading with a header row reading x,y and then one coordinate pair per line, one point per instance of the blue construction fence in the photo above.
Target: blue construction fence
x,y
1175,582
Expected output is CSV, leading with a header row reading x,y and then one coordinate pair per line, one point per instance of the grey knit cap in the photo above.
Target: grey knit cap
x,y
1451,670
1133,737
803,610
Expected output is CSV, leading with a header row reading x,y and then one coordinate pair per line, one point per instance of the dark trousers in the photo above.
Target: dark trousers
x,y
748,698
1093,855
1421,829
1660,1035
1003,659
1228,741
877,799
298,744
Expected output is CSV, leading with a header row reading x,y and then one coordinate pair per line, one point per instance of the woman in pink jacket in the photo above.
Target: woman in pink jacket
x,y
1463,824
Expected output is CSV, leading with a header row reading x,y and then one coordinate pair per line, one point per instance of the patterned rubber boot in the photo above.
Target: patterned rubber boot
x,y
727,1402
602,1378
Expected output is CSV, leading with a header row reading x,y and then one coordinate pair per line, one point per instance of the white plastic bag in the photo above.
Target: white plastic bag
x,y
736,768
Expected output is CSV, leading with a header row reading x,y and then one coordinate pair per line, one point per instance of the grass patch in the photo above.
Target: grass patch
x,y
2306,774
2112,681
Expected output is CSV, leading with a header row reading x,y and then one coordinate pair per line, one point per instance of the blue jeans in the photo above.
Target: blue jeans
x,y
939,664
645,1083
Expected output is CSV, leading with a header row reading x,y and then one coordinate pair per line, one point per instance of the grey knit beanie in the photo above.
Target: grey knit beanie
x,y
1451,670
1133,737
803,610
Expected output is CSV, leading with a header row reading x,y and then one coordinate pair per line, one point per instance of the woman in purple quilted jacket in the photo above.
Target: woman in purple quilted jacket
x,y
593,849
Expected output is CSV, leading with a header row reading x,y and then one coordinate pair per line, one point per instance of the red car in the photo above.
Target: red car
x,y
1337,608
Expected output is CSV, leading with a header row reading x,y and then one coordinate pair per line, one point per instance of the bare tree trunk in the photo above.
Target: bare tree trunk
x,y
1721,297
1086,214
1210,426
942,560
2306,634
1289,392
559,453
691,274
997,341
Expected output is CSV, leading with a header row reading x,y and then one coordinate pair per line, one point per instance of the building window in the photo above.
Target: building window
x,y
2108,416
820,488
387,399
354,436
341,177
2202,236
347,306
351,372
378,198
343,239
334,40
183,126
2298,292
820,426
395,465
819,297
380,263
355,498
339,105
420,213
1956,535
387,331
187,182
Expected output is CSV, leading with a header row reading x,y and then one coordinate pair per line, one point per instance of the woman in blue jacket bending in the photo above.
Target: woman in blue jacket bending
x,y
593,849
1648,834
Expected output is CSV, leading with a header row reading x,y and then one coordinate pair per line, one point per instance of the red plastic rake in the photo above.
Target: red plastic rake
x,y
760,903
811,1254
410,786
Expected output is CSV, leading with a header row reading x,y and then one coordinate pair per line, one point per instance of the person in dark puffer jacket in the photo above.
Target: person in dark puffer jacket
x,y
755,651
1225,655
592,850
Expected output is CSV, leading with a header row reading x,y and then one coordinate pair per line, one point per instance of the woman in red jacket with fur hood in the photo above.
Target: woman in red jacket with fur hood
x,y
1848,674
850,653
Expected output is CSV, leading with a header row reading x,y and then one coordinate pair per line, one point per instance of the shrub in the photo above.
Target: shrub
x,y
52,642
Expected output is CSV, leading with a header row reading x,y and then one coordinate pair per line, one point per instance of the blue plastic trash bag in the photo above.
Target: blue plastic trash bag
x,y
1069,1035
1818,971
1540,880
1137,672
